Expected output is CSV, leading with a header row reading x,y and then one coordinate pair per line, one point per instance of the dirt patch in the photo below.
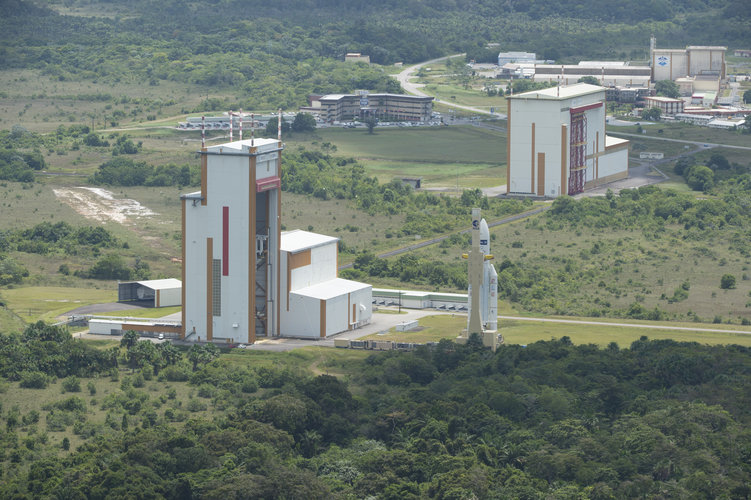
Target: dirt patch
x,y
102,206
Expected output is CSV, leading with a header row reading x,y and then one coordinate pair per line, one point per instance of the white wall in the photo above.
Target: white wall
x,y
170,297
303,318
614,163
322,267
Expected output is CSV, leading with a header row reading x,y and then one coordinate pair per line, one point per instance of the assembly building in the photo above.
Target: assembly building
x,y
243,278
557,145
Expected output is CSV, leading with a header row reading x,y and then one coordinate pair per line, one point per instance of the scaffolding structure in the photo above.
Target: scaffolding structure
x,y
578,148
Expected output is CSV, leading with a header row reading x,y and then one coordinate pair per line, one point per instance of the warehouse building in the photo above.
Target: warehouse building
x,y
396,107
516,58
556,144
608,73
156,293
693,61
234,255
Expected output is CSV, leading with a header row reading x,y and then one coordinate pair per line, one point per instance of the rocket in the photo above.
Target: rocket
x,y
483,306
489,294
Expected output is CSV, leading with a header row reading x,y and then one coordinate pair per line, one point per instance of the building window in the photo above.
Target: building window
x,y
216,287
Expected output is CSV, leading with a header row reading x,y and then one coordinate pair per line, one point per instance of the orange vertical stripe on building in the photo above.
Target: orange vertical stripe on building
x,y
541,174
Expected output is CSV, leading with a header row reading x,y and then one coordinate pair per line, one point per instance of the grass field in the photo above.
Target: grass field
x,y
689,132
435,328
438,154
45,302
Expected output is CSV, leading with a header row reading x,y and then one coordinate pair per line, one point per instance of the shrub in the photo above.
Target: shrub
x,y
195,405
727,282
34,380
71,384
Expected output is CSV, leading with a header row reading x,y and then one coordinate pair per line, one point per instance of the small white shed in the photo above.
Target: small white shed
x,y
161,293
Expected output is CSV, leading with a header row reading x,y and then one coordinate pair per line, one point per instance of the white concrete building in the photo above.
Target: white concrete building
x,y
556,142
316,303
232,254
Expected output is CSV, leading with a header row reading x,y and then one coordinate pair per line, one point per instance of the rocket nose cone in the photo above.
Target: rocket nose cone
x,y
484,236
484,228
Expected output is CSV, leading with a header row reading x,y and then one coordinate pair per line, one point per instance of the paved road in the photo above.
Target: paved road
x,y
414,88
700,144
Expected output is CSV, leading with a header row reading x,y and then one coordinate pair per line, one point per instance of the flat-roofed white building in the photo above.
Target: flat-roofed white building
x,y
608,73
556,143
667,105
316,303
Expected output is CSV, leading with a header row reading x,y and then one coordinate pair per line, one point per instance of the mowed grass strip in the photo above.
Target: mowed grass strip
x,y
454,144
440,174
444,326
47,302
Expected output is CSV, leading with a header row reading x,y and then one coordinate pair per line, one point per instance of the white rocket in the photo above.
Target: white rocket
x,y
483,276
489,295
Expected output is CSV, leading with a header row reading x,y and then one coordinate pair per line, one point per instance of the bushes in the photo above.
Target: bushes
x,y
34,380
128,172
71,384
727,282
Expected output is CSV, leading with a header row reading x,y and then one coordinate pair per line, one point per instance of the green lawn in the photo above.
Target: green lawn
x,y
32,303
451,144
438,154
444,326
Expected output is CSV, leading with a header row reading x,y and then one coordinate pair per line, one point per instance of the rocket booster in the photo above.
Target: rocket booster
x,y
492,279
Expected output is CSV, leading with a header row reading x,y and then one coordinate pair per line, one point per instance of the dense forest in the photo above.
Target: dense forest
x,y
279,53
547,420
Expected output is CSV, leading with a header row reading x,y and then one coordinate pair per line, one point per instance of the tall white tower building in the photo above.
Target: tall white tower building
x,y
242,277
557,144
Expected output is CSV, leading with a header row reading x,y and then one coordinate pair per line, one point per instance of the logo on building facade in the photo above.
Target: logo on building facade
x,y
663,60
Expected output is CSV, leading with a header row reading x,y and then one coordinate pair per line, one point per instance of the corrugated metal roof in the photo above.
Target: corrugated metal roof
x,y
163,284
330,289
299,240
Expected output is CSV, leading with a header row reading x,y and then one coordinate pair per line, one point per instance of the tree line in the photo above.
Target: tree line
x,y
548,419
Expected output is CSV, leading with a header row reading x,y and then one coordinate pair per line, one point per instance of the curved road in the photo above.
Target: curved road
x,y
414,88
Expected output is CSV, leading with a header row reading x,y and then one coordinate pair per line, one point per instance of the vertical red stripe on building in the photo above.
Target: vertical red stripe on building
x,y
225,241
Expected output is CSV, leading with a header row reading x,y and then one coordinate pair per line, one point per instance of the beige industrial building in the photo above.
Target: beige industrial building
x,y
667,105
397,107
557,145
692,62
608,73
